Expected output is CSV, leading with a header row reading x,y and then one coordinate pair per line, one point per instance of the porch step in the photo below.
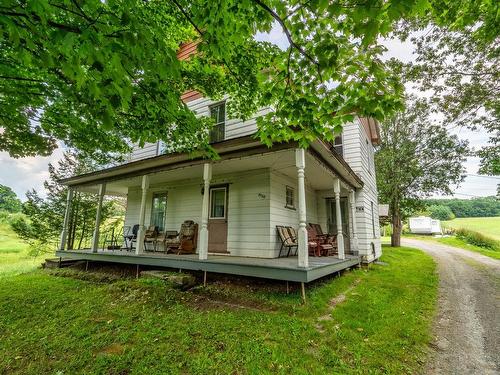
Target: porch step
x,y
59,263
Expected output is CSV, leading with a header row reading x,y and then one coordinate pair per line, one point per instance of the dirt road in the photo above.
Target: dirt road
x,y
467,326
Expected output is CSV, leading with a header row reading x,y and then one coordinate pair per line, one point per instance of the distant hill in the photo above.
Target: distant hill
x,y
476,207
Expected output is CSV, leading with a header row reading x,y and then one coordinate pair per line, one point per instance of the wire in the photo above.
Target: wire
x,y
471,195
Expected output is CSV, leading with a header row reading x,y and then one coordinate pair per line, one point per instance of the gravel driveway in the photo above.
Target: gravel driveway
x,y
467,326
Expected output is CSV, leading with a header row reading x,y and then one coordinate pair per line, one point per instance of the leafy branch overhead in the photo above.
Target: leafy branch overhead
x,y
457,61
99,75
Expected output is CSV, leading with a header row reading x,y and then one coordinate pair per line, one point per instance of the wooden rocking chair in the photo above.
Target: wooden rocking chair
x,y
287,240
185,242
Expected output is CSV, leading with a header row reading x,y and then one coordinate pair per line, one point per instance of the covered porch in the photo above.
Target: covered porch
x,y
286,269
254,178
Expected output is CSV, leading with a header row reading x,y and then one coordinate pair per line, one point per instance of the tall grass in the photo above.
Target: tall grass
x,y
477,239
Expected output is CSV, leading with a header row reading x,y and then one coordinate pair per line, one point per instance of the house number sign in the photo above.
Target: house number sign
x,y
360,209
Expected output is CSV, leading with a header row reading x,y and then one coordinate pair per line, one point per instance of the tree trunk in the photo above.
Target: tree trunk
x,y
74,217
396,228
84,228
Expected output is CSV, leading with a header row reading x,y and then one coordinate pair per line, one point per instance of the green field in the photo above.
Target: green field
x,y
14,254
69,321
489,226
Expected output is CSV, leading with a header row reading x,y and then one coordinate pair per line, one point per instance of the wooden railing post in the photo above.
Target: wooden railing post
x,y
203,243
302,250
340,235
139,248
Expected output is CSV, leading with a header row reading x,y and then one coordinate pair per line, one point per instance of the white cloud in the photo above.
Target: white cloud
x,y
24,174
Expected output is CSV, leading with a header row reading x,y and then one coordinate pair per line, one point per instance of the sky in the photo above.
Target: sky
x,y
29,173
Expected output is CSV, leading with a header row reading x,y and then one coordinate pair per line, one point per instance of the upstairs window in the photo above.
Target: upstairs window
x,y
338,145
218,113
369,154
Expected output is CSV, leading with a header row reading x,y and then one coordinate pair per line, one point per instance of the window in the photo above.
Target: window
x,y
369,153
158,210
290,197
218,203
161,148
218,113
373,219
331,205
338,146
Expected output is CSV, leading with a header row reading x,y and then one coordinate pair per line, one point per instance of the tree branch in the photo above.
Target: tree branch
x,y
21,79
289,35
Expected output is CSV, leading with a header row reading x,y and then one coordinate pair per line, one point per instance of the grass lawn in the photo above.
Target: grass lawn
x,y
457,242
489,226
14,256
373,321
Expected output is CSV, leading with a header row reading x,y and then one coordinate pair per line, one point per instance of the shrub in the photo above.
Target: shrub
x,y
440,212
20,224
477,239
4,216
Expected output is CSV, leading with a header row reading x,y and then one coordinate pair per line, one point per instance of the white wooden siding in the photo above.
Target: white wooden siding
x,y
247,211
281,215
256,205
148,151
234,128
359,154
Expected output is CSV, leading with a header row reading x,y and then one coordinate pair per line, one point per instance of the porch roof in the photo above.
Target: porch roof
x,y
227,150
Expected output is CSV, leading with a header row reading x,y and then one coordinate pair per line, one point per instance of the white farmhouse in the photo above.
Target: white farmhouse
x,y
237,202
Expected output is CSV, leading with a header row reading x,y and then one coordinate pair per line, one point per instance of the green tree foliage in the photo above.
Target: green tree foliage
x,y
416,158
98,75
45,215
8,200
457,60
440,212
476,207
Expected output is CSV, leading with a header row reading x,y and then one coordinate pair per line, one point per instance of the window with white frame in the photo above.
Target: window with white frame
x,y
338,145
218,114
369,156
289,197
373,218
159,210
218,202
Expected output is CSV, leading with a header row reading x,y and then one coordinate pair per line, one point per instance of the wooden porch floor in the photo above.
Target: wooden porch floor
x,y
275,268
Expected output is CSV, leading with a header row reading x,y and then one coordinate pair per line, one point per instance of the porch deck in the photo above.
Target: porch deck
x,y
276,268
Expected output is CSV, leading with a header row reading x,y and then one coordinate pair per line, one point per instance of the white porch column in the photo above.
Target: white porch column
x,y
203,242
95,238
340,235
302,251
64,233
354,233
139,247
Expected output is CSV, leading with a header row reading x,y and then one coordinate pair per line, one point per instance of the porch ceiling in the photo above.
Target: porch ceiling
x,y
318,176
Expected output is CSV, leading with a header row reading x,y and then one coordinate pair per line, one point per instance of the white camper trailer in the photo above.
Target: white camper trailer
x,y
424,225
